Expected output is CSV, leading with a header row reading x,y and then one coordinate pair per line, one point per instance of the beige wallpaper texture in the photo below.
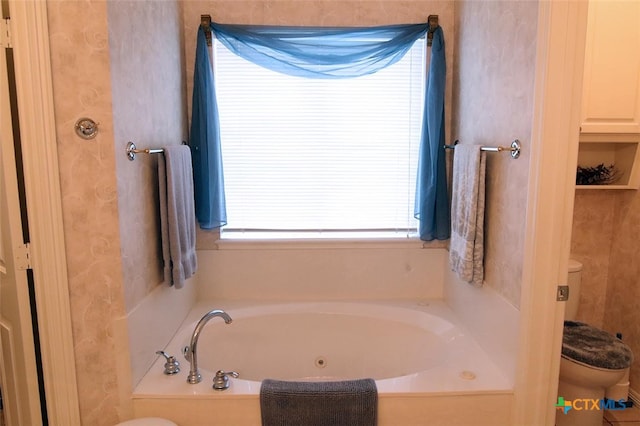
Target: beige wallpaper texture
x,y
493,82
149,108
82,87
120,63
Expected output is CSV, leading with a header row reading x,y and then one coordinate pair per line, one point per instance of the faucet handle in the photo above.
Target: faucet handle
x,y
221,381
172,366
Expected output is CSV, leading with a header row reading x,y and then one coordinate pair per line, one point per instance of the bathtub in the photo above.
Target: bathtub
x,y
421,359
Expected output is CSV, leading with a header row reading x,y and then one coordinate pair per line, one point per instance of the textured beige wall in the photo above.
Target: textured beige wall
x,y
493,82
591,244
623,289
149,108
82,87
119,63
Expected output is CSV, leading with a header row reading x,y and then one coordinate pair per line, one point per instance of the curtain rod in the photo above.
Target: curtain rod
x,y
205,23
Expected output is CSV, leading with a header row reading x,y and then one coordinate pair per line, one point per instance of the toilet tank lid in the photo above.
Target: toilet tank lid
x,y
574,266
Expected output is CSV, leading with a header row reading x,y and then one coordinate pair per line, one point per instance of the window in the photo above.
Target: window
x,y
306,155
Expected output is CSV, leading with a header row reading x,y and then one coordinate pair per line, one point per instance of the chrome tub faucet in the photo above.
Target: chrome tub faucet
x,y
191,351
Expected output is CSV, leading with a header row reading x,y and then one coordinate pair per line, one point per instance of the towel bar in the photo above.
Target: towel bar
x,y
515,148
132,150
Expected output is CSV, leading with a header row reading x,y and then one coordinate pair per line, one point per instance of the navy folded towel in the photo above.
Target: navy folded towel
x,y
340,403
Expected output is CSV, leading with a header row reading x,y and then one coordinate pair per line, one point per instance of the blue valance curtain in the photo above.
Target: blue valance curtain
x,y
318,53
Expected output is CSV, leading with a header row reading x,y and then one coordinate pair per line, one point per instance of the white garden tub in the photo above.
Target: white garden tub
x,y
411,349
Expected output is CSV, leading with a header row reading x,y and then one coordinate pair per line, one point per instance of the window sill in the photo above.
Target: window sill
x,y
291,241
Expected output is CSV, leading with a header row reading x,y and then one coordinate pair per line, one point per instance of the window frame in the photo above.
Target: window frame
x,y
401,237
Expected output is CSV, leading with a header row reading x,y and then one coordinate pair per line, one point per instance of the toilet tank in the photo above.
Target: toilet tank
x,y
573,281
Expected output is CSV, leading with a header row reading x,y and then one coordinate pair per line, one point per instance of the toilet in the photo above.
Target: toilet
x,y
594,363
148,421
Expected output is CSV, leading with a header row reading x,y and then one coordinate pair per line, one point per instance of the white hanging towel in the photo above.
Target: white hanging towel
x,y
466,246
177,214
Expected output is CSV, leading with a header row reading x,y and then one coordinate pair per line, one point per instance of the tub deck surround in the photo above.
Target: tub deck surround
x,y
396,410
445,360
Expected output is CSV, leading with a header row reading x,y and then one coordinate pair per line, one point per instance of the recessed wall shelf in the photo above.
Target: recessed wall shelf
x,y
620,150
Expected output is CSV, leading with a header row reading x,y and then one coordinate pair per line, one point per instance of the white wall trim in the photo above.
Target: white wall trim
x,y
554,145
37,124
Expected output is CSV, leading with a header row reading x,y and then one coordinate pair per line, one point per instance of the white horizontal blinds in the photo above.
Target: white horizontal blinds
x,y
306,154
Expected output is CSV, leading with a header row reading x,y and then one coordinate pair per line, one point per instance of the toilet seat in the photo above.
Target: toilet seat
x,y
593,347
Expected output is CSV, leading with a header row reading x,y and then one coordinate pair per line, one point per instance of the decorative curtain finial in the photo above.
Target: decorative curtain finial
x,y
432,20
205,23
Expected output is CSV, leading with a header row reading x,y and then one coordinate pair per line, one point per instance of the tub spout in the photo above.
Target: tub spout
x,y
191,352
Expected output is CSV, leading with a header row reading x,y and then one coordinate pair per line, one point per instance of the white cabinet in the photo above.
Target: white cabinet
x,y
611,91
610,125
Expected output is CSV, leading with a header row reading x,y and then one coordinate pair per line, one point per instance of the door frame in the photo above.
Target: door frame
x,y
554,150
18,357
30,40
